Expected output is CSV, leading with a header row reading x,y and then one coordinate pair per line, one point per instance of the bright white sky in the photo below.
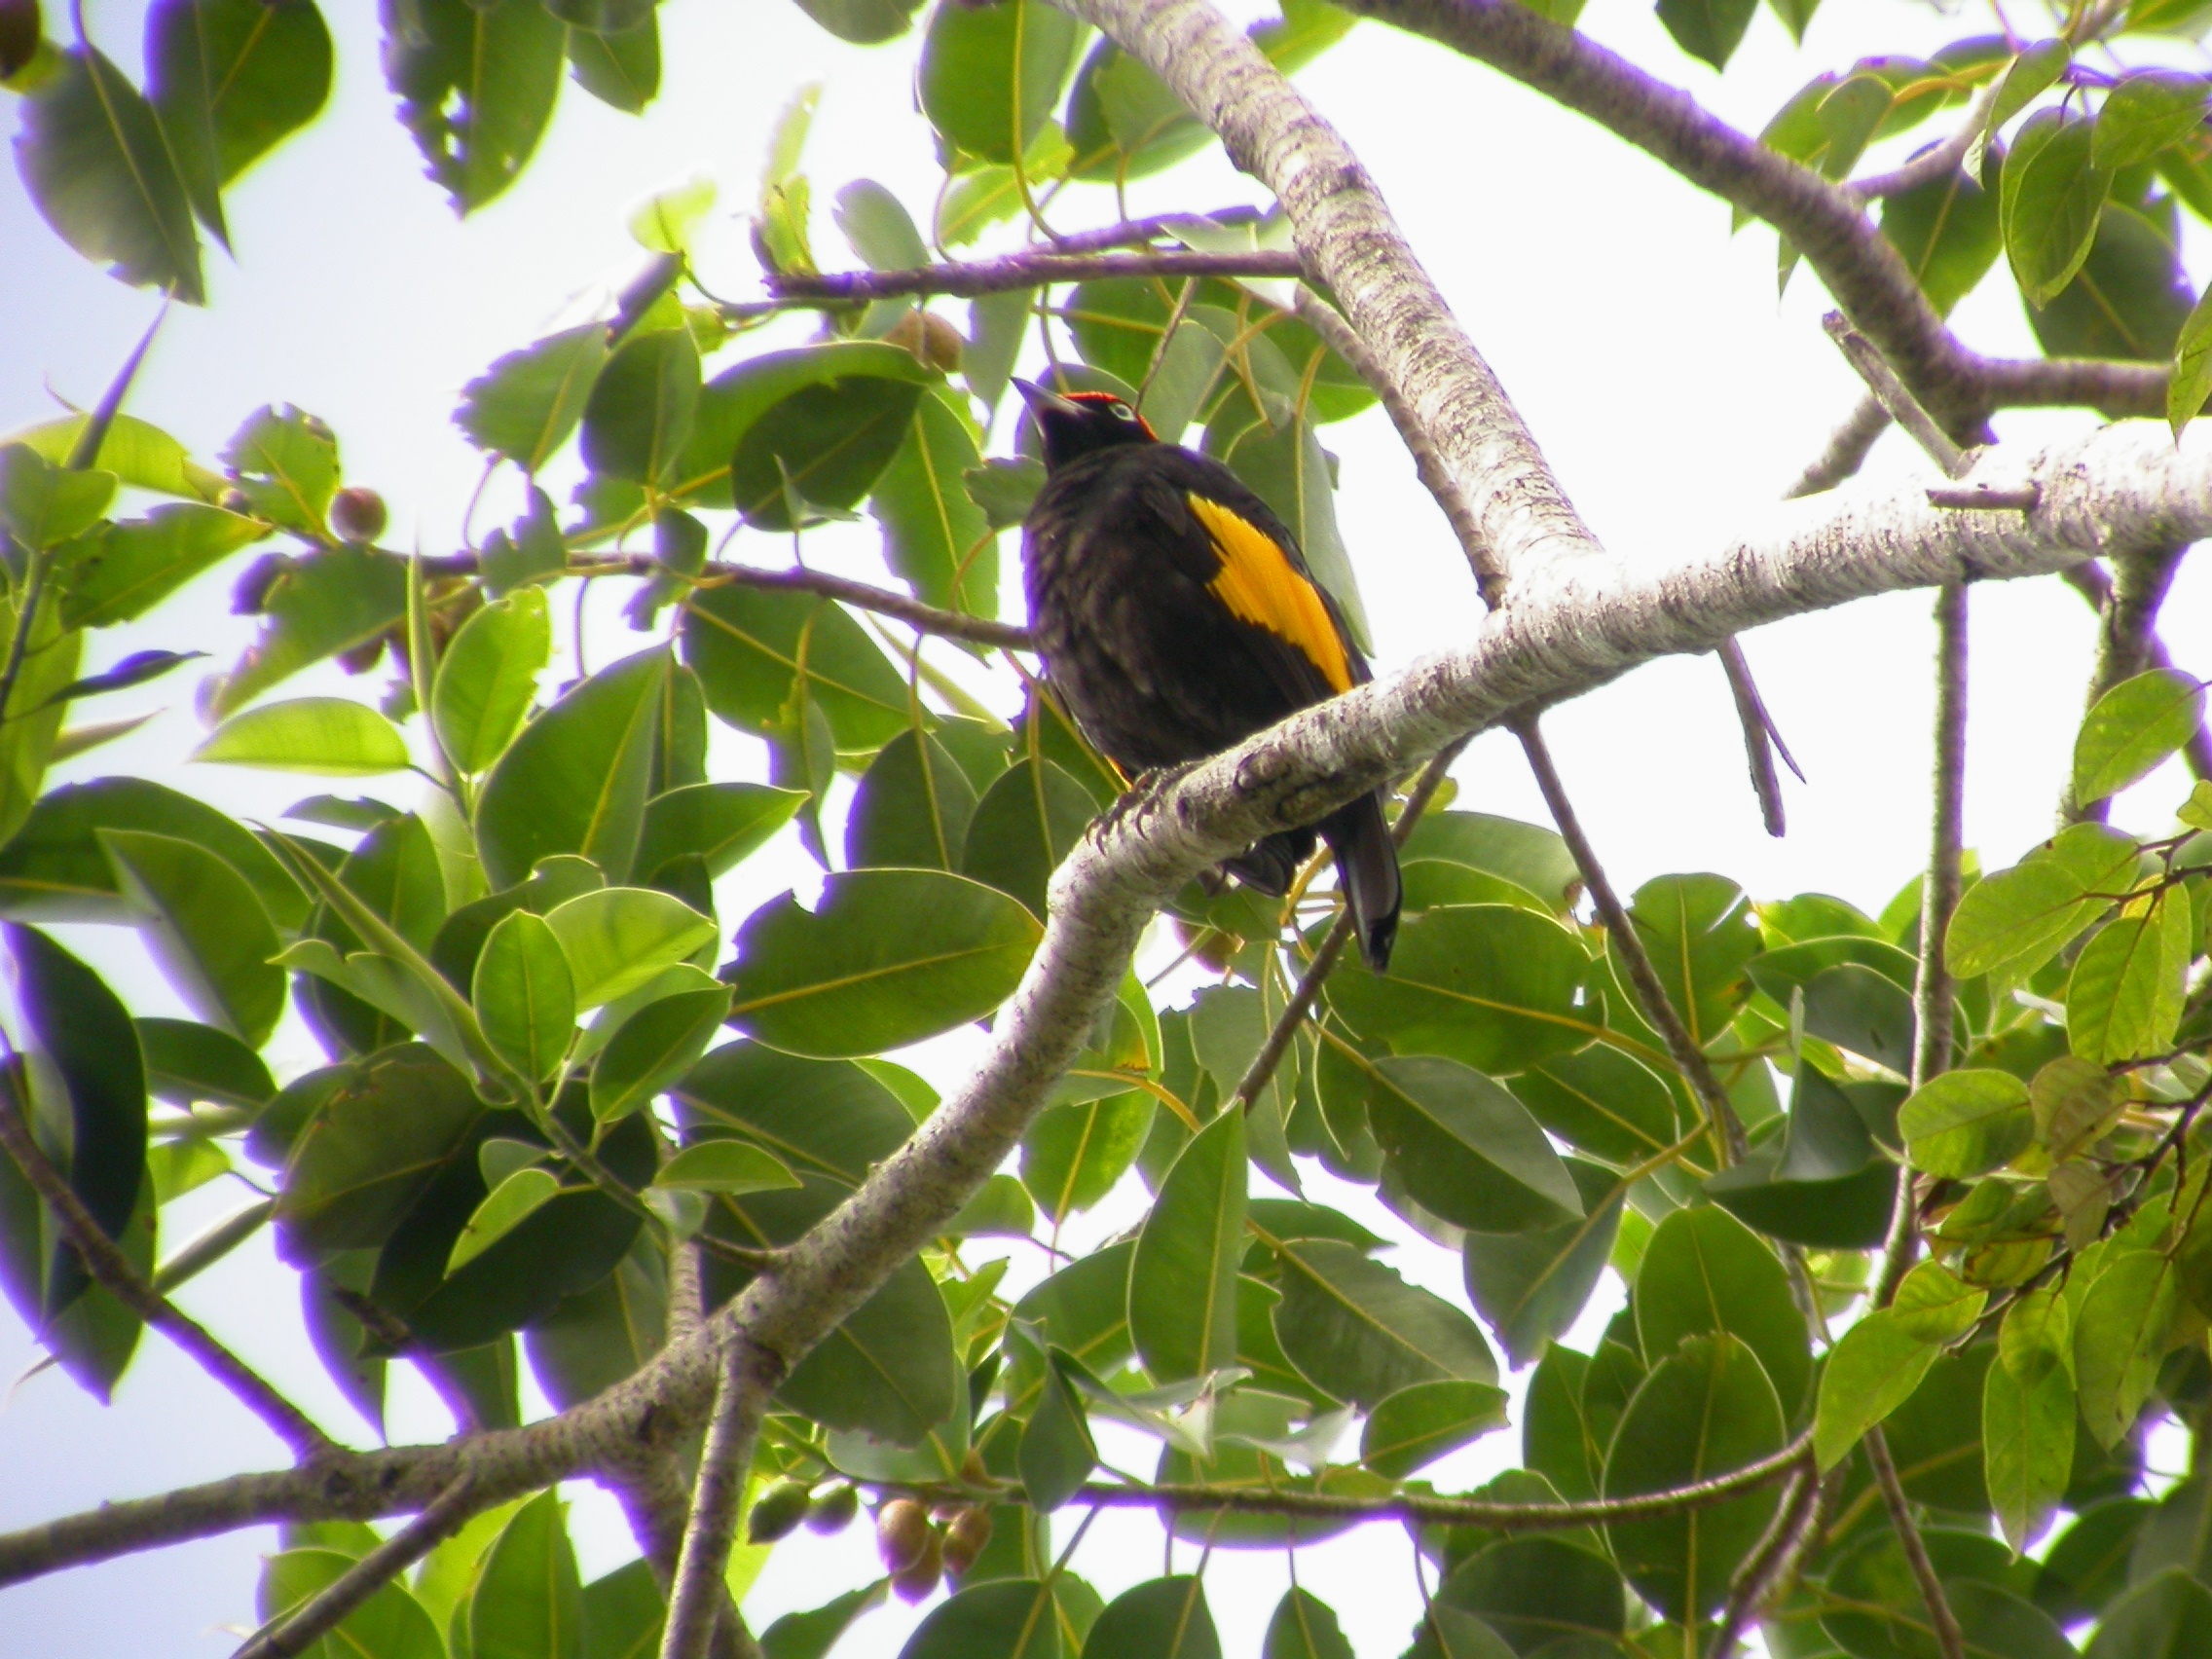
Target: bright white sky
x,y
1645,348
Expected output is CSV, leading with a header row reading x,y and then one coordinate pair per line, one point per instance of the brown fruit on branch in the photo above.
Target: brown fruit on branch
x,y
965,1539
914,1583
357,514
903,1534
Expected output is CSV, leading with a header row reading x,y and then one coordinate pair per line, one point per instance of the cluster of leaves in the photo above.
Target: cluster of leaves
x,y
539,1085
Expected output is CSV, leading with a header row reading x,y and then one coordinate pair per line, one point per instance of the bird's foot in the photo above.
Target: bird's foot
x,y
1146,787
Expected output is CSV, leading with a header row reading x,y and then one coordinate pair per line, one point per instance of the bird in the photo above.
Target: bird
x,y
1176,616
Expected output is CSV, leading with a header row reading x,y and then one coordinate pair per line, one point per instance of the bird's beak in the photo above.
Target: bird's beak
x,y
1043,401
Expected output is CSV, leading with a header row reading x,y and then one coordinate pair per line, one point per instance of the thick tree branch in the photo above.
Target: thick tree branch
x,y
1027,269
111,1268
324,1611
1573,626
1644,984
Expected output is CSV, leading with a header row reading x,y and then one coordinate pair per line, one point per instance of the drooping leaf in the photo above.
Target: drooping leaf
x,y
2124,997
637,419
652,1048
1708,29
476,87
528,1601
235,74
2049,201
990,75
935,536
1162,1618
1182,1276
488,677
205,928
1007,1618
1361,1333
1704,1270
2027,1439
1466,1149
1872,1371
913,808
1531,1286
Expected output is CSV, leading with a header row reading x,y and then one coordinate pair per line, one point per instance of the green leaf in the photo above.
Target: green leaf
x,y
575,779
513,1201
1702,1271
990,75
863,22
1967,1123
1360,1333
1934,1304
639,416
487,677
2121,1329
388,1127
476,87
94,159
1705,1410
1304,1627
1183,1277
823,446
1826,1185
1008,1618
1072,1155
187,1064
524,994
1056,1455
653,1047
2029,77
623,1609
1531,1286
2133,727
391,1624
730,1166
820,1117
331,737
720,824
1489,986
2124,997
1465,1149
1872,1371
237,74
886,958
621,70
528,403
1025,824
1877,1607
913,808
2049,200
888,1370
205,928
337,599
2192,381
1699,931
1708,29
1162,1618
618,937
936,538
1947,232
528,1603
759,654
1423,1422
2149,110
2166,1616
139,453
43,504
88,1102
285,462
2015,920
2027,1440
1535,1591
1604,1102
122,571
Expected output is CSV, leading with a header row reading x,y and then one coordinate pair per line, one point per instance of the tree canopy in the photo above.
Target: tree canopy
x,y
1902,1207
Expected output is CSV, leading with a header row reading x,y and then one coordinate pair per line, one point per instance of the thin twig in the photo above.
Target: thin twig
x,y
1332,947
1762,738
1896,397
1948,1636
327,1609
1644,984
699,1597
113,1270
1016,270
1846,451
1767,1563
1932,984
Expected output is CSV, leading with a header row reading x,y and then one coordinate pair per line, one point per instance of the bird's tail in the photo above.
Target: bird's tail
x,y
1367,870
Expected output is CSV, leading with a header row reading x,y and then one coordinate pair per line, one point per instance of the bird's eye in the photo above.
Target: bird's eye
x,y
1122,411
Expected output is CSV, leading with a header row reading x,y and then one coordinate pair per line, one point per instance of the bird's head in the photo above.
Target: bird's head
x,y
1075,424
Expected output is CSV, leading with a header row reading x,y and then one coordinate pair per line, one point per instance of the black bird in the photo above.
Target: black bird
x,y
1177,617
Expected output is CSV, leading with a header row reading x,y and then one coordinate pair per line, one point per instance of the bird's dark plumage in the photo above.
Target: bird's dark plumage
x,y
1177,617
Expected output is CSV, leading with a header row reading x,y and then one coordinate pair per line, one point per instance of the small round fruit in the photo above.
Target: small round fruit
x,y
903,1534
357,514
965,1539
776,1512
914,1583
833,1510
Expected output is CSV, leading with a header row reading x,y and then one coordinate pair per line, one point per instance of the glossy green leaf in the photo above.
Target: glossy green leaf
x,y
1361,1333
887,957
720,824
2027,1440
127,567
2126,994
2049,201
1705,1410
1182,1276
1008,1618
1537,1591
724,1166
205,928
2166,1616
94,161
388,1127
1531,1286
990,75
476,88
637,419
1708,29
1162,1618
1872,1371
1072,1155
2030,75
1056,1455
2014,920
756,651
1489,986
618,937
575,779
525,994
1877,1608
1304,1627
936,538
332,737
1424,1421
863,22
1967,1123
285,462
236,74
528,403
487,677
2121,1329
1466,1149
2149,110
823,446
1699,933
187,1064
1604,1102
139,453
333,601
43,504
2132,729
888,1370
1023,826
527,1602
505,1207
391,1624
1947,232
1824,1185
913,808
623,1611
1704,1270
653,1047
2192,381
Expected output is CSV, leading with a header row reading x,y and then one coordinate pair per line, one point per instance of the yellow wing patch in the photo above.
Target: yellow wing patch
x,y
1261,586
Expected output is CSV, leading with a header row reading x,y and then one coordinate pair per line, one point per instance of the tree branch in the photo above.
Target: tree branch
x,y
2127,643
698,1599
323,1613
1027,270
1948,1636
1769,1563
1644,984
1846,451
112,1270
